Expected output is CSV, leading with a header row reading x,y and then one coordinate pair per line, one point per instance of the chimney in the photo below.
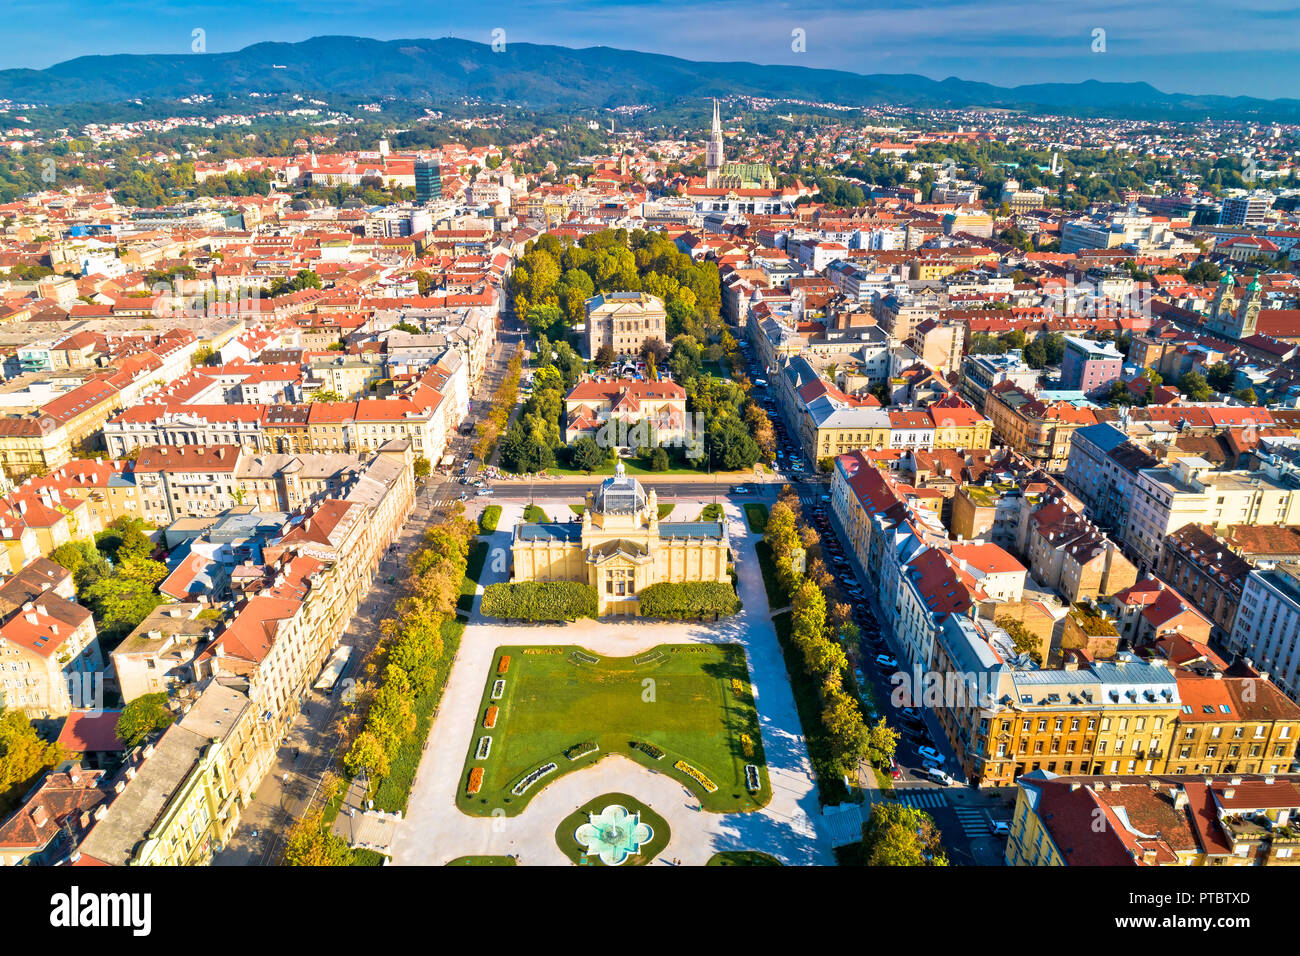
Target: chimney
x,y
39,816
101,811
1229,793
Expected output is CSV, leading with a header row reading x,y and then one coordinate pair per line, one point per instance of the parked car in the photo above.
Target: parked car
x,y
895,771
910,713
929,753
938,776
999,828
884,660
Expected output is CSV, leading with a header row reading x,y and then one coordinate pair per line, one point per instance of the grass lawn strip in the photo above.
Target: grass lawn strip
x,y
678,699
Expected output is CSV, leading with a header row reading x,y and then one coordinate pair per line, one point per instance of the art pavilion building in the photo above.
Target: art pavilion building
x,y
620,547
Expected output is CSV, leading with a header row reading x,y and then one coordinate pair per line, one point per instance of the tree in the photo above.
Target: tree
x,y
849,738
423,467
1118,394
23,757
586,455
605,355
1194,386
311,843
202,355
1221,377
899,835
1246,395
325,395
882,742
659,459
141,717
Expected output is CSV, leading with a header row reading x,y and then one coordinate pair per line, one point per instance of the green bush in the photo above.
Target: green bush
x,y
487,521
689,600
540,601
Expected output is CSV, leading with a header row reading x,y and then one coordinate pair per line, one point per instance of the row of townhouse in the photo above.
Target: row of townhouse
x,y
1100,709
49,437
1143,499
253,673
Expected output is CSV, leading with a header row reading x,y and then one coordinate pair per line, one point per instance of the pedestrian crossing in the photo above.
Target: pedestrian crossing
x,y
974,823
922,799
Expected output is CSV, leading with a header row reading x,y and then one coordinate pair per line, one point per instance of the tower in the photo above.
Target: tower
x,y
1248,314
1224,308
713,151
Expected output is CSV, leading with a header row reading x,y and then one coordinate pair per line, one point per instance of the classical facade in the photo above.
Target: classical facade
x,y
623,321
621,547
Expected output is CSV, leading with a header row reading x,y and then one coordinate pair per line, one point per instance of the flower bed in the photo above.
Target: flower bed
x,y
484,748
697,776
582,658
581,750
751,778
522,786
503,665
739,687
498,689
650,750
490,718
475,781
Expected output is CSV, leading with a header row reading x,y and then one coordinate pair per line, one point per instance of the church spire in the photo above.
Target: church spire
x,y
713,150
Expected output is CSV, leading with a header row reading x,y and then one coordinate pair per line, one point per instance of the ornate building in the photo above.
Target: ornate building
x,y
720,175
1231,318
620,547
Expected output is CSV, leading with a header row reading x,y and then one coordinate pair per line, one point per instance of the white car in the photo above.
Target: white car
x,y
884,660
929,753
938,776
999,828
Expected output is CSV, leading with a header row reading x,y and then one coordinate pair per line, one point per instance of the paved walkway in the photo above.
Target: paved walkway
x,y
435,831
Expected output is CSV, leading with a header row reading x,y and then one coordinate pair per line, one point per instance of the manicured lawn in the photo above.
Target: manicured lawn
x,y
742,858
578,509
756,515
576,852
665,511
677,698
395,789
484,861
478,552
533,514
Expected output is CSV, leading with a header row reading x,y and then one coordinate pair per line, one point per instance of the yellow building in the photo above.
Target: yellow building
x,y
620,547
183,796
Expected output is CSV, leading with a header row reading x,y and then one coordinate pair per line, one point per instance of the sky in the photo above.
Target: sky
x,y
1246,47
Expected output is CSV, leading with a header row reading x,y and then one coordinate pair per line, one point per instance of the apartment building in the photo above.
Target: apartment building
x,y
1187,490
186,481
1267,626
50,660
1167,820
1038,430
180,799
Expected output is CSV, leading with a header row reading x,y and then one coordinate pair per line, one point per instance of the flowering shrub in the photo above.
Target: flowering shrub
x,y
475,781
696,775
503,665
490,718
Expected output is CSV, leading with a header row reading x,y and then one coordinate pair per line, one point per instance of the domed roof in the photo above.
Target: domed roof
x,y
619,495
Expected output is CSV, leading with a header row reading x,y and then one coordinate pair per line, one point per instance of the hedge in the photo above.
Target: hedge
x,y
487,521
540,601
689,601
